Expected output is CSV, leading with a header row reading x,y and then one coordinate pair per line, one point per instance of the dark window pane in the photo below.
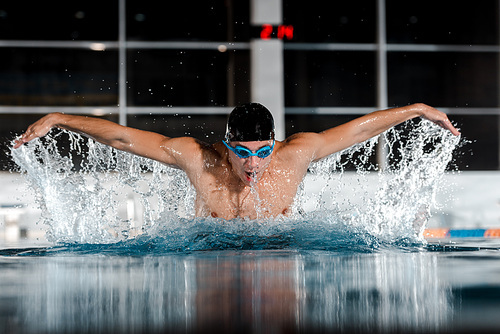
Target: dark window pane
x,y
200,20
482,150
442,22
322,78
296,123
58,77
187,78
59,20
331,21
443,79
208,128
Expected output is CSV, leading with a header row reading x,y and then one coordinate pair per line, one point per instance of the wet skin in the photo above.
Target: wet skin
x,y
250,187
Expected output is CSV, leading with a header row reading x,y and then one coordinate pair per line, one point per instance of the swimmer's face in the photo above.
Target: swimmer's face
x,y
250,169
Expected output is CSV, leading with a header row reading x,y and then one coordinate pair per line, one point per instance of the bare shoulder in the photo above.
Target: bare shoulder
x,y
299,146
187,152
301,141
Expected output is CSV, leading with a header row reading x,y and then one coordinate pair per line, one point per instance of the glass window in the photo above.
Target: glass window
x,y
331,21
442,22
187,78
59,20
58,77
326,78
482,150
208,128
296,123
199,20
444,79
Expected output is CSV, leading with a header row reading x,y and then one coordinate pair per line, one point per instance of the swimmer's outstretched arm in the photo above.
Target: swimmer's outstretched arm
x,y
144,143
370,125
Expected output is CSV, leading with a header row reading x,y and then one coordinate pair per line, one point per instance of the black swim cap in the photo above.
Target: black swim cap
x,y
250,122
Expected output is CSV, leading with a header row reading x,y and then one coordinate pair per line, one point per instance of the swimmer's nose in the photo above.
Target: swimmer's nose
x,y
253,161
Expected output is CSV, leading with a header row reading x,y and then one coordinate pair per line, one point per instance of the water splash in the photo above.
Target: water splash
x,y
394,204
87,202
86,190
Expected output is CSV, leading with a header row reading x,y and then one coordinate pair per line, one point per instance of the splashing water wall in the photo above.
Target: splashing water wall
x,y
83,202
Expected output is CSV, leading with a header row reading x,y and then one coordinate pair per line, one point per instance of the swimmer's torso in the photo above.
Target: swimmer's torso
x,y
220,193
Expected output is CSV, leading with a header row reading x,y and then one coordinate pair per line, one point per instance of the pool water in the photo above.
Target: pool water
x,y
440,287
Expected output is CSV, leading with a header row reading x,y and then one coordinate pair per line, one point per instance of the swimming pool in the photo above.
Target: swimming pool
x,y
442,287
356,263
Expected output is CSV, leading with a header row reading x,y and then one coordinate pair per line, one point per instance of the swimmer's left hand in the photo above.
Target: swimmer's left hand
x,y
438,118
446,124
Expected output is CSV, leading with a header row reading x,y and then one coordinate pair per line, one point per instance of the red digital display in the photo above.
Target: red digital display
x,y
269,31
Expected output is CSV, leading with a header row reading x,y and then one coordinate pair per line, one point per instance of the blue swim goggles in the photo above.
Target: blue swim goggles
x,y
243,152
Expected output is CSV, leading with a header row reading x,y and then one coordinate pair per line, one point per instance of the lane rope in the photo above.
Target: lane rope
x,y
437,233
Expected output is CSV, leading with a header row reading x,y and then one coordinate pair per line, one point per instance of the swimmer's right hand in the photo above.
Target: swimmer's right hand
x,y
38,129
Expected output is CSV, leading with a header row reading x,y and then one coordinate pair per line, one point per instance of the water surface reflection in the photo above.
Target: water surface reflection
x,y
226,291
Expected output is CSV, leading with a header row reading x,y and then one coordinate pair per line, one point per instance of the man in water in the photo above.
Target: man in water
x,y
249,174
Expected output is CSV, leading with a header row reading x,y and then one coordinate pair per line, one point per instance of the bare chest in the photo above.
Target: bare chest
x,y
227,198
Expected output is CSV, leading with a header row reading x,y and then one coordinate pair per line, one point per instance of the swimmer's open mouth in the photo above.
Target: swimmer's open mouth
x,y
251,175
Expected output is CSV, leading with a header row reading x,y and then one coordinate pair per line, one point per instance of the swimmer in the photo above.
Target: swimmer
x,y
248,174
